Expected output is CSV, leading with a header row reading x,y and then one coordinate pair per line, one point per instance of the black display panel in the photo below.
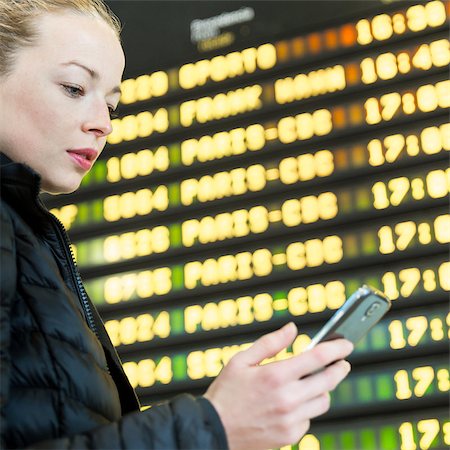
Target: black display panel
x,y
267,161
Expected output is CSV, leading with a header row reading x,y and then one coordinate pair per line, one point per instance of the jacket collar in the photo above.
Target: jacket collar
x,y
4,159
17,175
20,187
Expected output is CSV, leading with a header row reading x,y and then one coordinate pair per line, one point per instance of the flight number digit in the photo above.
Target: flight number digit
x,y
416,18
389,65
423,438
136,243
393,193
138,285
142,328
142,163
131,204
407,280
129,128
148,372
402,234
427,98
430,141
144,87
66,215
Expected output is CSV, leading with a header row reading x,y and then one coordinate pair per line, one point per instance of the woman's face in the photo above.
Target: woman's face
x,y
56,101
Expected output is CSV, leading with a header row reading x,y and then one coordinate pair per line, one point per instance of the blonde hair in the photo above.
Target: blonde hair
x,y
17,22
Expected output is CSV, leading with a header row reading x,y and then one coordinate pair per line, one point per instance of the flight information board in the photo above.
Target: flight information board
x,y
262,183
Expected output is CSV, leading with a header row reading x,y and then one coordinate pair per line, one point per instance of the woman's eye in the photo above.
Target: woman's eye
x,y
113,114
73,91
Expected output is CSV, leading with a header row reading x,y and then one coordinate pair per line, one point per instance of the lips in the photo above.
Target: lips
x,y
84,157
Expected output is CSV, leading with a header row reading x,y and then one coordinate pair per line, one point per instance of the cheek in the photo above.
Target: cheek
x,y
44,115
39,126
47,121
32,116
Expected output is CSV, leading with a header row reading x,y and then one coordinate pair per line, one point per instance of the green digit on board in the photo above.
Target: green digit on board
x,y
351,286
179,367
347,440
95,290
368,439
175,235
362,345
177,278
378,338
364,388
175,155
383,384
374,282
83,213
327,442
345,201
344,393
82,253
97,210
174,117
369,244
100,172
177,322
389,439
174,194
97,251
86,181
363,200
351,246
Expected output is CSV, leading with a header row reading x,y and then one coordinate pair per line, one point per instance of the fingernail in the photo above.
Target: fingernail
x,y
350,346
348,366
287,326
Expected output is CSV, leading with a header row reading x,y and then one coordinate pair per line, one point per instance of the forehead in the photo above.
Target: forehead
x,y
67,36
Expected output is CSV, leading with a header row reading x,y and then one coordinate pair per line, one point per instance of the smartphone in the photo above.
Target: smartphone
x,y
353,320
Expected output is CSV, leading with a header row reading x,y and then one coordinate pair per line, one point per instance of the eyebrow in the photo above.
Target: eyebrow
x,y
92,73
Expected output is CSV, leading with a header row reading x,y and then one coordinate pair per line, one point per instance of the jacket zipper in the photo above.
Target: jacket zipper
x,y
76,275
76,278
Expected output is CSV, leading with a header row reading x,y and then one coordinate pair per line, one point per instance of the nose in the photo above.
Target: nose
x,y
98,121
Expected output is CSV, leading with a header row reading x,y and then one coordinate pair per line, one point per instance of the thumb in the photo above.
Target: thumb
x,y
268,345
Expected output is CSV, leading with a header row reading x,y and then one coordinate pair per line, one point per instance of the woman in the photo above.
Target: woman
x,y
62,383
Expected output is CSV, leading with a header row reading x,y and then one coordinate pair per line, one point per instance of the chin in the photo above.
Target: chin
x,y
60,188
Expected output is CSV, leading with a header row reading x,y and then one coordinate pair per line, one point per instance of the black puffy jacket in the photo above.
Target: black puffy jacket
x,y
62,384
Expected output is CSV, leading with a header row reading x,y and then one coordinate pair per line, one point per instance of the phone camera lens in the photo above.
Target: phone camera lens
x,y
371,309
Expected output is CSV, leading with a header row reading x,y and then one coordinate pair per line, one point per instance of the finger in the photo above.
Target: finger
x,y
322,382
298,419
295,395
315,407
267,346
323,355
311,361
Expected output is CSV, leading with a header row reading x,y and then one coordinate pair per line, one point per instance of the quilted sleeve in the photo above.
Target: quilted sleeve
x,y
185,422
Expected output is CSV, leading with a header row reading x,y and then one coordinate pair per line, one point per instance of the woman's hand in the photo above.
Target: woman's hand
x,y
270,405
